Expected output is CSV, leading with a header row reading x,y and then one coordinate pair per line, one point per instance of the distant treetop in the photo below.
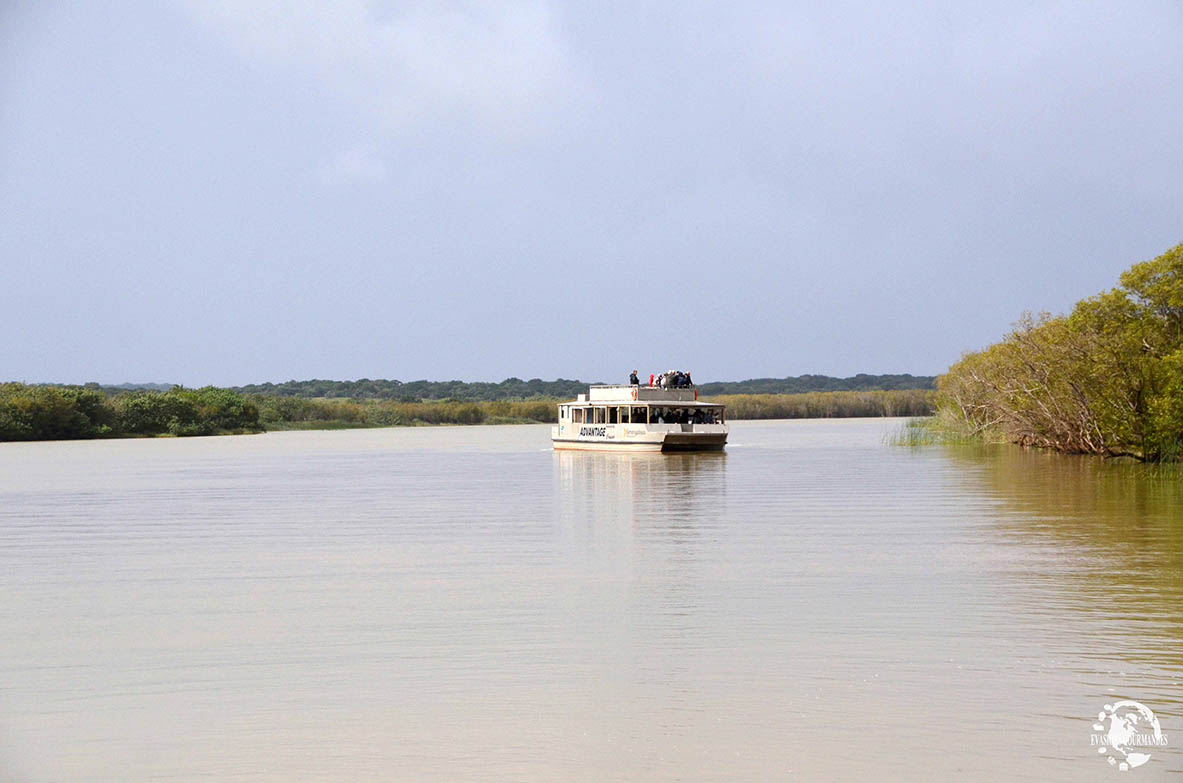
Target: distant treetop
x,y
820,383
517,389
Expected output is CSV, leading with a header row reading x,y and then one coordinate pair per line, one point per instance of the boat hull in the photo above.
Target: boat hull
x,y
683,441
649,442
591,445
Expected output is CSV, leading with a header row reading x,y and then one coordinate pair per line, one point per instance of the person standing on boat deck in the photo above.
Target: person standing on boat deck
x,y
651,380
632,379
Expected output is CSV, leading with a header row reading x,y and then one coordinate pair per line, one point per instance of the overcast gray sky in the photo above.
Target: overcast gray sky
x,y
229,192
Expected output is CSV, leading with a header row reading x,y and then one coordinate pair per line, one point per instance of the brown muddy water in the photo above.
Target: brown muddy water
x,y
464,604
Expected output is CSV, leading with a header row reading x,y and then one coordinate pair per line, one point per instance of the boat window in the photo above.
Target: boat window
x,y
707,415
613,414
577,415
599,416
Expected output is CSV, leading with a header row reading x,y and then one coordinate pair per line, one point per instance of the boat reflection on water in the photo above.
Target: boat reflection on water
x,y
644,533
654,491
650,524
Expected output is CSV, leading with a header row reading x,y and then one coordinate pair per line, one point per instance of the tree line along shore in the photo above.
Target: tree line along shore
x,y
48,412
561,388
1105,379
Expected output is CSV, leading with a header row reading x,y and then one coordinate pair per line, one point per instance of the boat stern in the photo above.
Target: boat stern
x,y
694,441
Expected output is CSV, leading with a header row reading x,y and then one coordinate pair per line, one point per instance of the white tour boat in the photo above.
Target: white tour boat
x,y
640,418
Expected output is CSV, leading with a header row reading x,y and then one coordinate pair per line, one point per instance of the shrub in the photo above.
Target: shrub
x,y
1106,379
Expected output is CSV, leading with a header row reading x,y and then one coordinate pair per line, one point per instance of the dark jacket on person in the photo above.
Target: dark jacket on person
x,y
632,379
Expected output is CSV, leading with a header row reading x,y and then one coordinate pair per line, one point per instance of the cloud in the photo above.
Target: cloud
x,y
499,65
357,165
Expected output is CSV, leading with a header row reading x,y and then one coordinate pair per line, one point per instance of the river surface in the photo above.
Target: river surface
x,y
464,604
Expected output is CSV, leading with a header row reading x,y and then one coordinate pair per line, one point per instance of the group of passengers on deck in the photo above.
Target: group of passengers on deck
x,y
683,416
670,379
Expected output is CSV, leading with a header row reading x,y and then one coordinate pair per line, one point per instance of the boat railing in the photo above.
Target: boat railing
x,y
637,386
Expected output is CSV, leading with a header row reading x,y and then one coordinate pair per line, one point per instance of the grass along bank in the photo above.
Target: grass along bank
x,y
935,430
827,405
74,412
295,413
298,413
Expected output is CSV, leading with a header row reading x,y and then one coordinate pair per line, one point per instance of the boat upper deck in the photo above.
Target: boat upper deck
x,y
629,393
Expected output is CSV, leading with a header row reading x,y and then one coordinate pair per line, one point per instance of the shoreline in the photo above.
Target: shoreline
x,y
75,413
